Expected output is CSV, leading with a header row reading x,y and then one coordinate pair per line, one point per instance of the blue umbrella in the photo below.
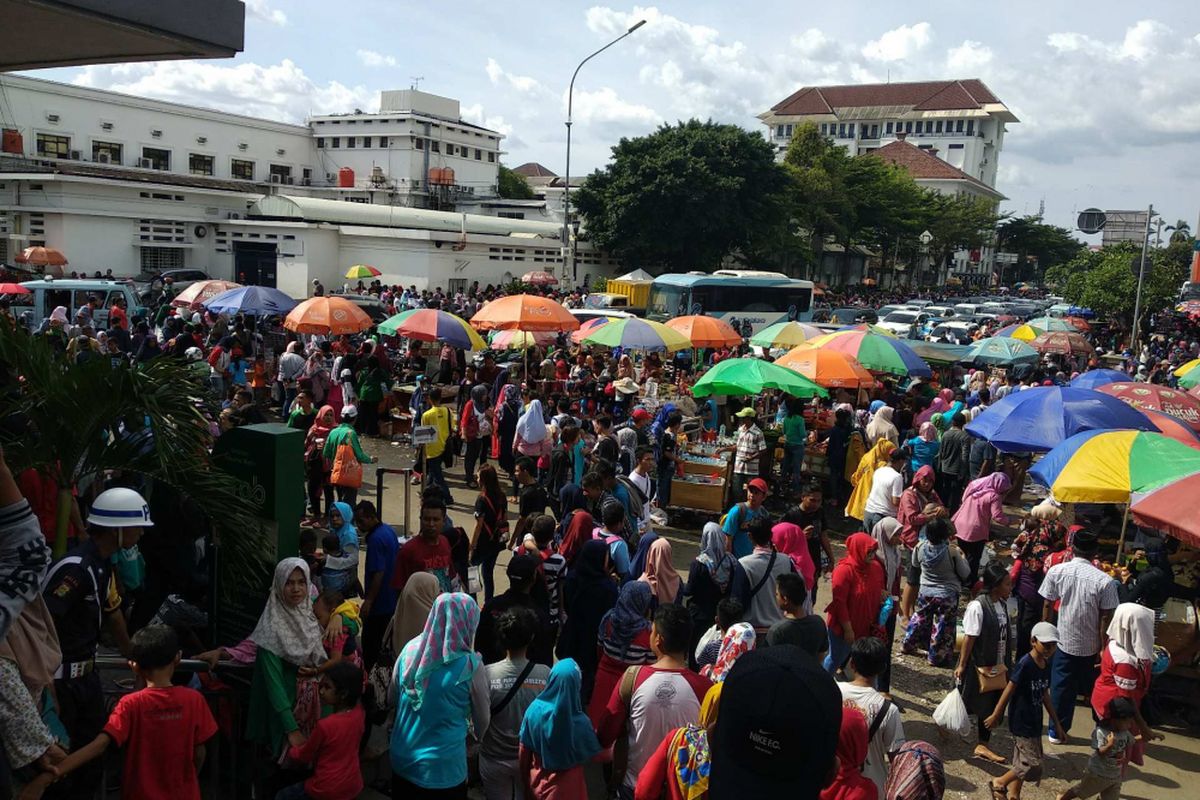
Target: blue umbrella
x,y
1039,418
999,350
1095,378
257,301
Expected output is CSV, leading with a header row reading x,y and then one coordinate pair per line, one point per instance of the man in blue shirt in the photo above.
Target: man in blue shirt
x,y
379,601
738,520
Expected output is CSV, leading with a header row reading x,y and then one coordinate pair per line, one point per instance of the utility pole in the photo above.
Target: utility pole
x,y
1137,303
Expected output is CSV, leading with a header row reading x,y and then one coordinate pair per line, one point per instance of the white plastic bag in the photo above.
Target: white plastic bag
x,y
951,714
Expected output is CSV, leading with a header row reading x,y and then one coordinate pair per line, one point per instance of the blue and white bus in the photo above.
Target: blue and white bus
x,y
752,299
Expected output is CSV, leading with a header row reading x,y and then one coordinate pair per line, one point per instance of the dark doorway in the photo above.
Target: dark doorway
x,y
254,263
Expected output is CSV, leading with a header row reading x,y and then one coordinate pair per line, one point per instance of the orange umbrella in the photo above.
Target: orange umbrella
x,y
524,312
1080,323
200,292
704,331
539,278
832,369
328,315
1062,343
41,257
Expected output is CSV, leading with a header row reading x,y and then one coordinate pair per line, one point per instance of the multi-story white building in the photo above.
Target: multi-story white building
x,y
133,184
960,122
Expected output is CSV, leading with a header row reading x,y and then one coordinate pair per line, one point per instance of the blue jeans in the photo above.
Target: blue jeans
x,y
793,463
485,558
1069,676
665,475
870,520
435,476
839,651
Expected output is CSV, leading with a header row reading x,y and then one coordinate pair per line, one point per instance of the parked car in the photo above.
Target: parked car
x,y
44,295
883,311
918,303
954,331
588,314
150,282
941,311
368,303
901,322
850,315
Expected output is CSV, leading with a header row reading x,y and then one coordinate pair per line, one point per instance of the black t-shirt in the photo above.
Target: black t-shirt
x,y
667,448
817,520
533,500
808,633
606,448
493,515
75,592
1025,708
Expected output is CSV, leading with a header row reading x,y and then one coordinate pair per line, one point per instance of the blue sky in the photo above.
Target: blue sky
x,y
1109,98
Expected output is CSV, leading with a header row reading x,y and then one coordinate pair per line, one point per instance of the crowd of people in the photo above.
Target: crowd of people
x,y
599,664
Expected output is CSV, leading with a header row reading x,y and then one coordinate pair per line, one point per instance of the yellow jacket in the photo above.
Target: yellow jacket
x,y
872,460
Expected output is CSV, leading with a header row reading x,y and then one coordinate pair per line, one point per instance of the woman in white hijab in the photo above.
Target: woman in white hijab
x,y
1125,665
532,437
881,427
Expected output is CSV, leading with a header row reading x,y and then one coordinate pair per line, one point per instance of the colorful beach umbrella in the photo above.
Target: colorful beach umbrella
x,y
588,327
524,312
255,301
1051,324
865,327
433,325
539,278
200,292
1023,331
1095,378
331,316
1062,343
1037,419
829,368
1189,374
1159,398
521,340
1107,466
631,333
875,352
1189,307
1001,351
1173,427
361,271
1171,509
1079,323
703,331
785,335
750,376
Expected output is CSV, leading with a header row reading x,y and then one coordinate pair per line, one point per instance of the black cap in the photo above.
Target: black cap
x,y
1086,541
522,568
777,728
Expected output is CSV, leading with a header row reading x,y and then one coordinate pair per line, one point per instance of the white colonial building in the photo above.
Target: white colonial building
x,y
133,184
959,124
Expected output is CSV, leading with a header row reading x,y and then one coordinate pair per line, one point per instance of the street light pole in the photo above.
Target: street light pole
x,y
568,249
1141,276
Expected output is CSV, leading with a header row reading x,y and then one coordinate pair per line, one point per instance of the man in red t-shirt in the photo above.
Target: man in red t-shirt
x,y
163,727
428,552
117,318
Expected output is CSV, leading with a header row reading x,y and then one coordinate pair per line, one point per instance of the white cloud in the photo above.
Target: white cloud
x,y
273,91
604,106
370,58
1144,39
261,9
968,58
900,43
499,77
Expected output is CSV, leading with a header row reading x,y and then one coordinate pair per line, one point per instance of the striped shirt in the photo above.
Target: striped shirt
x,y
553,567
750,442
1085,593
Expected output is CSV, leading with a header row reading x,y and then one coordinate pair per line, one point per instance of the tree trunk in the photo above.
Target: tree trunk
x,y
62,520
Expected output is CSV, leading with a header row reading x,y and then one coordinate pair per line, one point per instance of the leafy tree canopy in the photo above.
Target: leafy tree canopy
x,y
513,186
1104,280
1050,245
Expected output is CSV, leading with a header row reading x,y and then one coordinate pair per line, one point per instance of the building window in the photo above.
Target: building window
x,y
320,142
938,126
434,147
888,128
418,143
874,131
307,179
491,158
156,259
242,170
958,146
383,141
351,141
199,164
335,142
106,152
920,127
280,173
779,131
841,130
158,158
52,146
511,214
789,130
958,126
970,127
851,130
478,154
908,127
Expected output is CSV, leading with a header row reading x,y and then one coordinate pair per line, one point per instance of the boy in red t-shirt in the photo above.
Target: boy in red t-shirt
x,y
162,727
333,745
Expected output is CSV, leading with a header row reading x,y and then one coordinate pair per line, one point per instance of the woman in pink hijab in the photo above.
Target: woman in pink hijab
x,y
937,406
982,504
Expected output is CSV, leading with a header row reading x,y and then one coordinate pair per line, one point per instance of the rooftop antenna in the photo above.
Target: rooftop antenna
x,y
416,82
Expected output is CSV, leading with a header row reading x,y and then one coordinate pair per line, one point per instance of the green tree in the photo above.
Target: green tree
x,y
686,196
512,186
77,423
817,199
1049,245
1180,231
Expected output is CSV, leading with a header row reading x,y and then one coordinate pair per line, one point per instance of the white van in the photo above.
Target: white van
x,y
966,309
46,294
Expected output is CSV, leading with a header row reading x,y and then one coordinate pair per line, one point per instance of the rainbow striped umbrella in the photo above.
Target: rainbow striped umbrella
x,y
632,333
521,340
785,335
433,325
1022,330
1189,374
589,327
875,352
1051,325
361,271
1107,466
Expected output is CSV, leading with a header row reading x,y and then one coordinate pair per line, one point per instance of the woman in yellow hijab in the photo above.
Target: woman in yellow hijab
x,y
872,460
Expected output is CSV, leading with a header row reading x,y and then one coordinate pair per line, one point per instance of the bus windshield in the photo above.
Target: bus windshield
x,y
666,301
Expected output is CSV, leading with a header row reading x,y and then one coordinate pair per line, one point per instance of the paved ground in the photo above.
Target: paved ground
x,y
1171,766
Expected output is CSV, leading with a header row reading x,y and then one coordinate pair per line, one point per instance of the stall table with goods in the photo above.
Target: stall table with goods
x,y
704,482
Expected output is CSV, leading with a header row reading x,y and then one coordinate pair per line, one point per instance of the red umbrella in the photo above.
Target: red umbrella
x,y
1151,396
41,257
1173,427
1171,509
13,288
539,278
1080,323
589,327
1062,343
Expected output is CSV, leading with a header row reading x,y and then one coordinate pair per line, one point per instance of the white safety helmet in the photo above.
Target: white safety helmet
x,y
120,508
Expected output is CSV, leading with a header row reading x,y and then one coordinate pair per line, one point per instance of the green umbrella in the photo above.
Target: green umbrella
x,y
750,376
1001,350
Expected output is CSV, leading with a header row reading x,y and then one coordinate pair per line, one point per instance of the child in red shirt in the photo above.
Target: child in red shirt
x,y
162,727
333,746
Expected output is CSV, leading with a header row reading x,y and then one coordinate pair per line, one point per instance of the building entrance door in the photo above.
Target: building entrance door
x,y
254,263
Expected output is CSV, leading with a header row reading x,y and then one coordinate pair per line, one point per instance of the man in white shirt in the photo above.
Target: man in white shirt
x,y
887,484
640,477
868,658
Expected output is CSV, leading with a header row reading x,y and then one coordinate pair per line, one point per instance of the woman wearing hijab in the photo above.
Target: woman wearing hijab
x,y
917,773
679,769
29,658
287,637
919,503
937,406
341,568
315,467
849,783
589,593
571,498
924,447
886,534
982,504
710,579
1125,668
439,685
637,564
557,738
626,447
416,598
857,589
792,540
660,574
476,426
624,637
504,430
532,437
878,456
882,427
737,641
580,526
